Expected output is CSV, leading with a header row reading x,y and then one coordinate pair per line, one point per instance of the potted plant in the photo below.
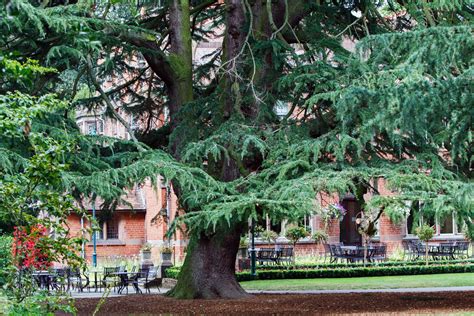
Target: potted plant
x,y
294,234
258,230
146,251
269,236
425,233
243,246
166,253
320,237
469,235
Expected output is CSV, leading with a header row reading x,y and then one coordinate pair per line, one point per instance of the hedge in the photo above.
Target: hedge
x,y
358,265
354,272
344,272
5,256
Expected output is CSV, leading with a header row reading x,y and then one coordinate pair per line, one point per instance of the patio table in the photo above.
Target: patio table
x,y
441,249
123,275
354,253
95,271
44,278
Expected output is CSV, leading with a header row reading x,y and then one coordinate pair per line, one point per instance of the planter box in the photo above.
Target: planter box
x,y
146,255
242,253
166,256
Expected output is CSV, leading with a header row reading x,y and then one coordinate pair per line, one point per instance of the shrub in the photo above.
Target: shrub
x,y
244,241
146,247
320,237
28,247
347,272
354,272
269,236
5,257
425,233
294,234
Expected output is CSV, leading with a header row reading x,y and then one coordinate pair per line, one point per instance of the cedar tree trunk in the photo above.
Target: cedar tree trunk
x,y
209,268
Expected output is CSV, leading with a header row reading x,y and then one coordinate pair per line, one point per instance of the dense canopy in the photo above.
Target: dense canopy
x,y
302,97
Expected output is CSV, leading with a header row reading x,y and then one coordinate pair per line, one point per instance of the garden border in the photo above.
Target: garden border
x,y
344,272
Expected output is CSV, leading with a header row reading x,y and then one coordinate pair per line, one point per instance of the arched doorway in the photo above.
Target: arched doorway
x,y
348,227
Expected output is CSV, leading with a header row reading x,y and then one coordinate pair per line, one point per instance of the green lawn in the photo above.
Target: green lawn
x,y
387,282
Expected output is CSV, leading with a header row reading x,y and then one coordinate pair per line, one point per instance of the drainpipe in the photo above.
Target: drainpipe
x,y
94,238
168,215
253,270
83,249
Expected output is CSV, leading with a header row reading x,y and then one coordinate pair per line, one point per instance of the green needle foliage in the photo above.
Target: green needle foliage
x,y
397,106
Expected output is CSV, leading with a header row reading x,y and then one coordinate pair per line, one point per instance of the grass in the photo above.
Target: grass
x,y
384,282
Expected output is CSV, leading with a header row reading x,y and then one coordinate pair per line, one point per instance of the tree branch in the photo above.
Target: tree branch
x,y
110,106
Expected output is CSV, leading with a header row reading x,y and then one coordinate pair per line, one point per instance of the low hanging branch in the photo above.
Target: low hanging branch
x,y
111,107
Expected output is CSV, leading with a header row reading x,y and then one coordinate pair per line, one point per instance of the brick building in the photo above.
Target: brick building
x,y
146,221
345,229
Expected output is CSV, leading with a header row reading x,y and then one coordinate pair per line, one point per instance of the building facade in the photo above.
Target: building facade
x,y
145,219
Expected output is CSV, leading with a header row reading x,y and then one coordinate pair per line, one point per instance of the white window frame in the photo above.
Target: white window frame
x,y
104,232
455,226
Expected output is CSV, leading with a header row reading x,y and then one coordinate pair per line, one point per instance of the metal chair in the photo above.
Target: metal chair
x,y
328,253
340,254
408,249
267,255
379,253
462,248
58,279
133,280
76,280
110,277
447,250
285,255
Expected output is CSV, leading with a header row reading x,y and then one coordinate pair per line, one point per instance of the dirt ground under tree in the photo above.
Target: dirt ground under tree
x,y
288,304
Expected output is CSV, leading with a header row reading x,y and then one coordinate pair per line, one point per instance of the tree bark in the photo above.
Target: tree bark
x,y
209,268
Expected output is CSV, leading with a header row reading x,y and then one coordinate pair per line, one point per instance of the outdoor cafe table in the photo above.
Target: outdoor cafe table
x,y
44,278
123,275
95,271
357,252
437,249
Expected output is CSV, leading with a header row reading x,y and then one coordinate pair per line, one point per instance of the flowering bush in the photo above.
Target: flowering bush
x,y
333,211
28,247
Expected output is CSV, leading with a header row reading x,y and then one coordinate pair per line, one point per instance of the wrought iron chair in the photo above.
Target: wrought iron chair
x,y
446,250
379,253
462,248
59,279
110,277
76,280
285,255
339,253
267,255
408,250
133,280
328,253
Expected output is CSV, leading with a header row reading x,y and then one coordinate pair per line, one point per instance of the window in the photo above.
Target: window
x,y
281,109
112,229
448,225
410,223
108,230
91,128
276,227
377,229
410,220
431,221
306,223
95,127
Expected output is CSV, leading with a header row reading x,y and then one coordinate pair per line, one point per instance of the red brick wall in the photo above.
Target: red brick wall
x,y
131,235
